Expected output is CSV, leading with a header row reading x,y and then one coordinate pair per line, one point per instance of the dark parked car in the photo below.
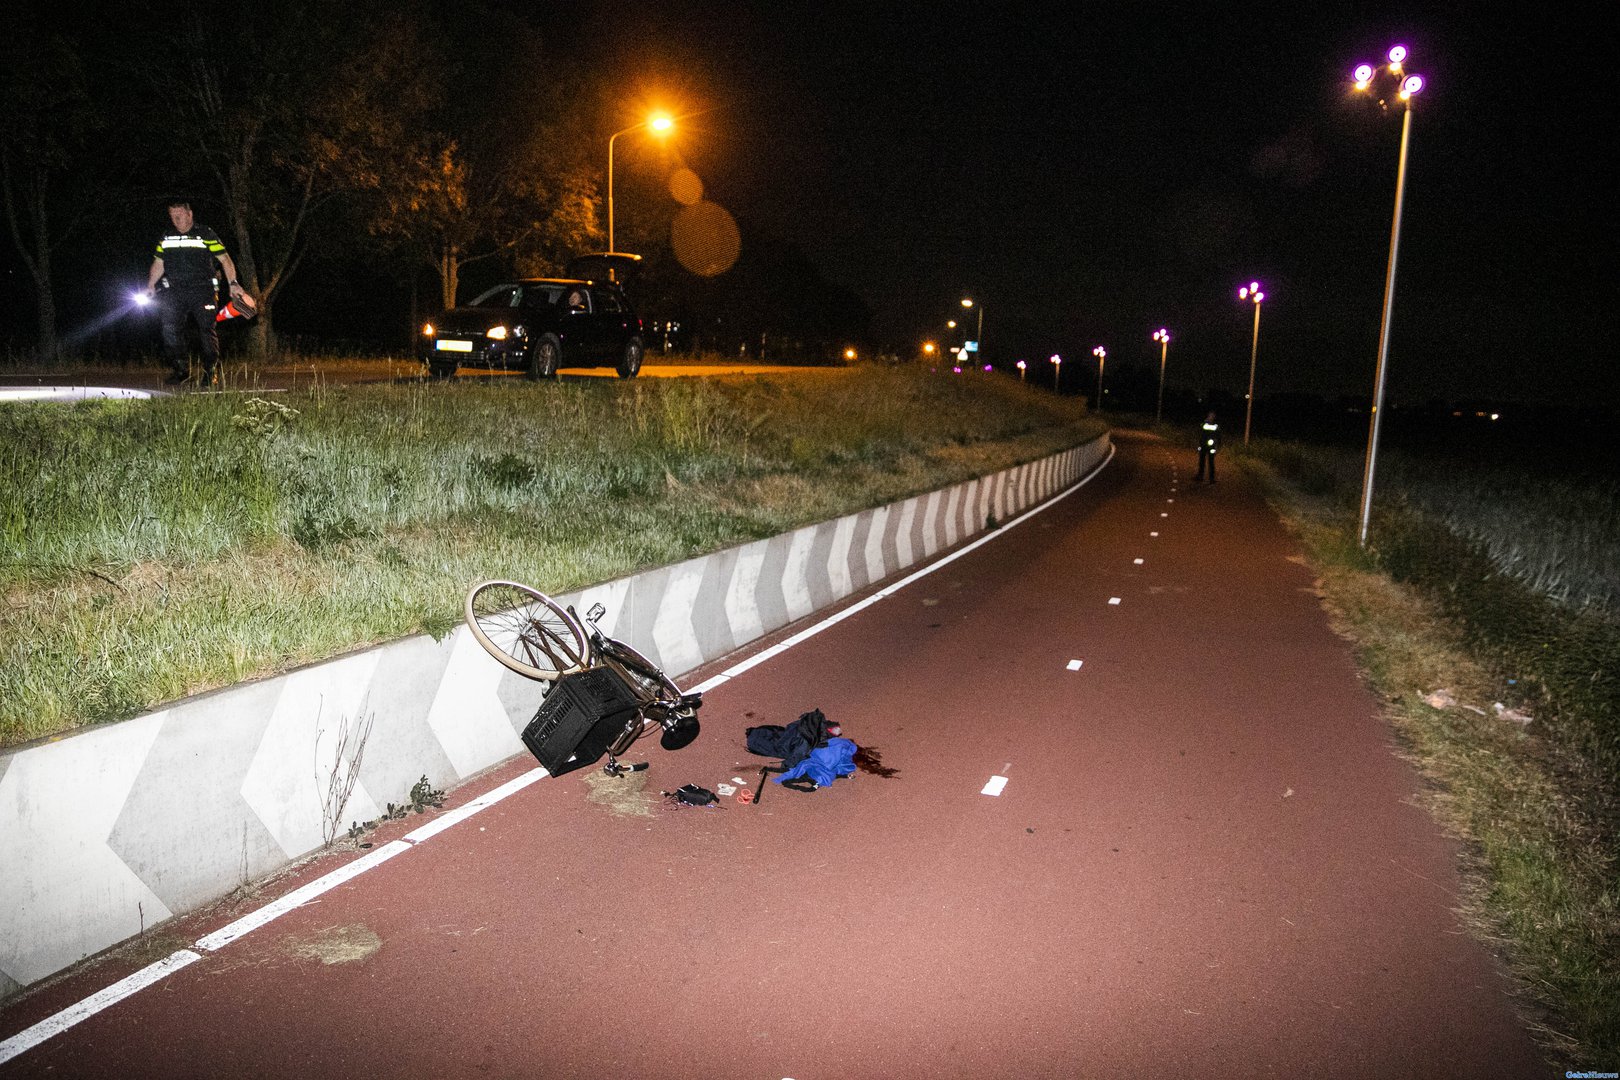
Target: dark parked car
x,y
538,324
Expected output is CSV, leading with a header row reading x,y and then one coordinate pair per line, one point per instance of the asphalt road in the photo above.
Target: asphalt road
x,y
1205,860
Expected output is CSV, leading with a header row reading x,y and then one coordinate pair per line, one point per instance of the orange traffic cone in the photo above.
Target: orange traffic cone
x,y
242,307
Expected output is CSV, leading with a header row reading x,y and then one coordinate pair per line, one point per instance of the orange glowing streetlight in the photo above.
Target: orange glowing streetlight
x,y
659,123
1407,87
1251,292
1162,336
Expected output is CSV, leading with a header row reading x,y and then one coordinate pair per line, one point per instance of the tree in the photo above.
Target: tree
x,y
497,171
288,108
46,120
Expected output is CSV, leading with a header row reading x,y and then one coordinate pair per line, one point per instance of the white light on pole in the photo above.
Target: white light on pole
x,y
1102,358
1252,293
1057,377
1162,336
1407,87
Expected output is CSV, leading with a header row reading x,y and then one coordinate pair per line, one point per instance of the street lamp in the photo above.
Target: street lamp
x,y
1162,336
1102,358
1021,367
978,338
658,124
1251,292
1057,378
1407,88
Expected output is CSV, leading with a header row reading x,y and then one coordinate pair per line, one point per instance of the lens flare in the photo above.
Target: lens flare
x,y
706,239
686,187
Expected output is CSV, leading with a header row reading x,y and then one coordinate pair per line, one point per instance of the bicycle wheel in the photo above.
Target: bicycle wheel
x,y
526,630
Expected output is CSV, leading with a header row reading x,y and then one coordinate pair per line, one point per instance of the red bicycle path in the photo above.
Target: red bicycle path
x,y
1206,859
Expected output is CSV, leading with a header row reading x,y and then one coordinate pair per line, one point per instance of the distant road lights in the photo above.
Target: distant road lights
x,y
1102,358
1021,368
1057,377
1409,86
929,348
978,335
849,354
1252,293
1162,336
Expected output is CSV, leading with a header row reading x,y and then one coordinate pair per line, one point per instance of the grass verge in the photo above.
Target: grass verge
x,y
1534,805
152,550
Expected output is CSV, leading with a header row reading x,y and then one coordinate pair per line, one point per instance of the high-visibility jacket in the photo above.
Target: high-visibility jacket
x,y
188,258
1212,437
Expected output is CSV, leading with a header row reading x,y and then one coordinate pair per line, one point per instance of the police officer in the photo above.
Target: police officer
x,y
1209,441
184,266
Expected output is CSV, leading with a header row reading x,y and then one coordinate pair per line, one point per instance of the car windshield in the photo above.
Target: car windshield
x,y
501,296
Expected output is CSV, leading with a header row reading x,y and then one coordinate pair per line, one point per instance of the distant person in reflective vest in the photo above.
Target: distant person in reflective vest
x,y
1209,441
185,284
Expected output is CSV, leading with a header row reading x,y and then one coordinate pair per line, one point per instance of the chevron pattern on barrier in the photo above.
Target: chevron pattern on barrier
x,y
111,830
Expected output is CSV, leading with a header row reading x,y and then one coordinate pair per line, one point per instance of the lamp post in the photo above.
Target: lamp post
x,y
1102,358
658,123
1021,367
1057,378
1408,87
1251,292
978,335
1162,336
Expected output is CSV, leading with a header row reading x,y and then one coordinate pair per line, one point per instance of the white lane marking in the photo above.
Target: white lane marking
x,y
832,620
1164,513
994,786
73,1014
1153,534
59,1022
300,896
1074,665
1114,600
1136,562
483,802
1169,500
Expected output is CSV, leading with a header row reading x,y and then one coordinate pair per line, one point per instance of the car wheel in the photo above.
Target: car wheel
x,y
544,357
630,362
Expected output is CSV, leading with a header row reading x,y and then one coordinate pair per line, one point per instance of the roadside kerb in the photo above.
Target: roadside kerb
x,y
111,830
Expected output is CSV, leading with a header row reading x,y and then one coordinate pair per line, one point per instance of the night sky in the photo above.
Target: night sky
x,y
1092,174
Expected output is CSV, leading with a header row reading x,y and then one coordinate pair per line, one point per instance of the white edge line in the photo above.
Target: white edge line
x,y
300,896
59,1022
483,802
832,620
73,1014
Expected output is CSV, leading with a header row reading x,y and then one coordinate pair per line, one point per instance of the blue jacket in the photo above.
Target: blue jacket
x,y
825,764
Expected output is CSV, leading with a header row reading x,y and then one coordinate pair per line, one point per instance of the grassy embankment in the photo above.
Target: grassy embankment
x,y
1499,587
152,550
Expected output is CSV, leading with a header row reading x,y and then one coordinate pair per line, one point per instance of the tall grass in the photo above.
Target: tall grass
x,y
149,550
1433,604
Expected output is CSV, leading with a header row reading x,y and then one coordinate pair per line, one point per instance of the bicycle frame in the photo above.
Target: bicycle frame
x,y
661,704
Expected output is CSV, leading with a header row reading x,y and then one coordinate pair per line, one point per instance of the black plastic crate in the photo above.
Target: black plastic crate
x,y
579,719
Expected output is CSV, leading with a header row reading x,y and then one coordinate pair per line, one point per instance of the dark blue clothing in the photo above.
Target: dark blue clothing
x,y
826,764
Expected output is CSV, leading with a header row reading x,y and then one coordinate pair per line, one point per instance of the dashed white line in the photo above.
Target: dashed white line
x,y
994,786
1074,665
1114,600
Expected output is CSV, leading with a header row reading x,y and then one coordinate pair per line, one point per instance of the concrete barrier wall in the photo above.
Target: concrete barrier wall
x,y
119,827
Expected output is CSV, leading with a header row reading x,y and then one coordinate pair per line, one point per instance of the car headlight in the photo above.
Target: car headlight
x,y
496,333
427,329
